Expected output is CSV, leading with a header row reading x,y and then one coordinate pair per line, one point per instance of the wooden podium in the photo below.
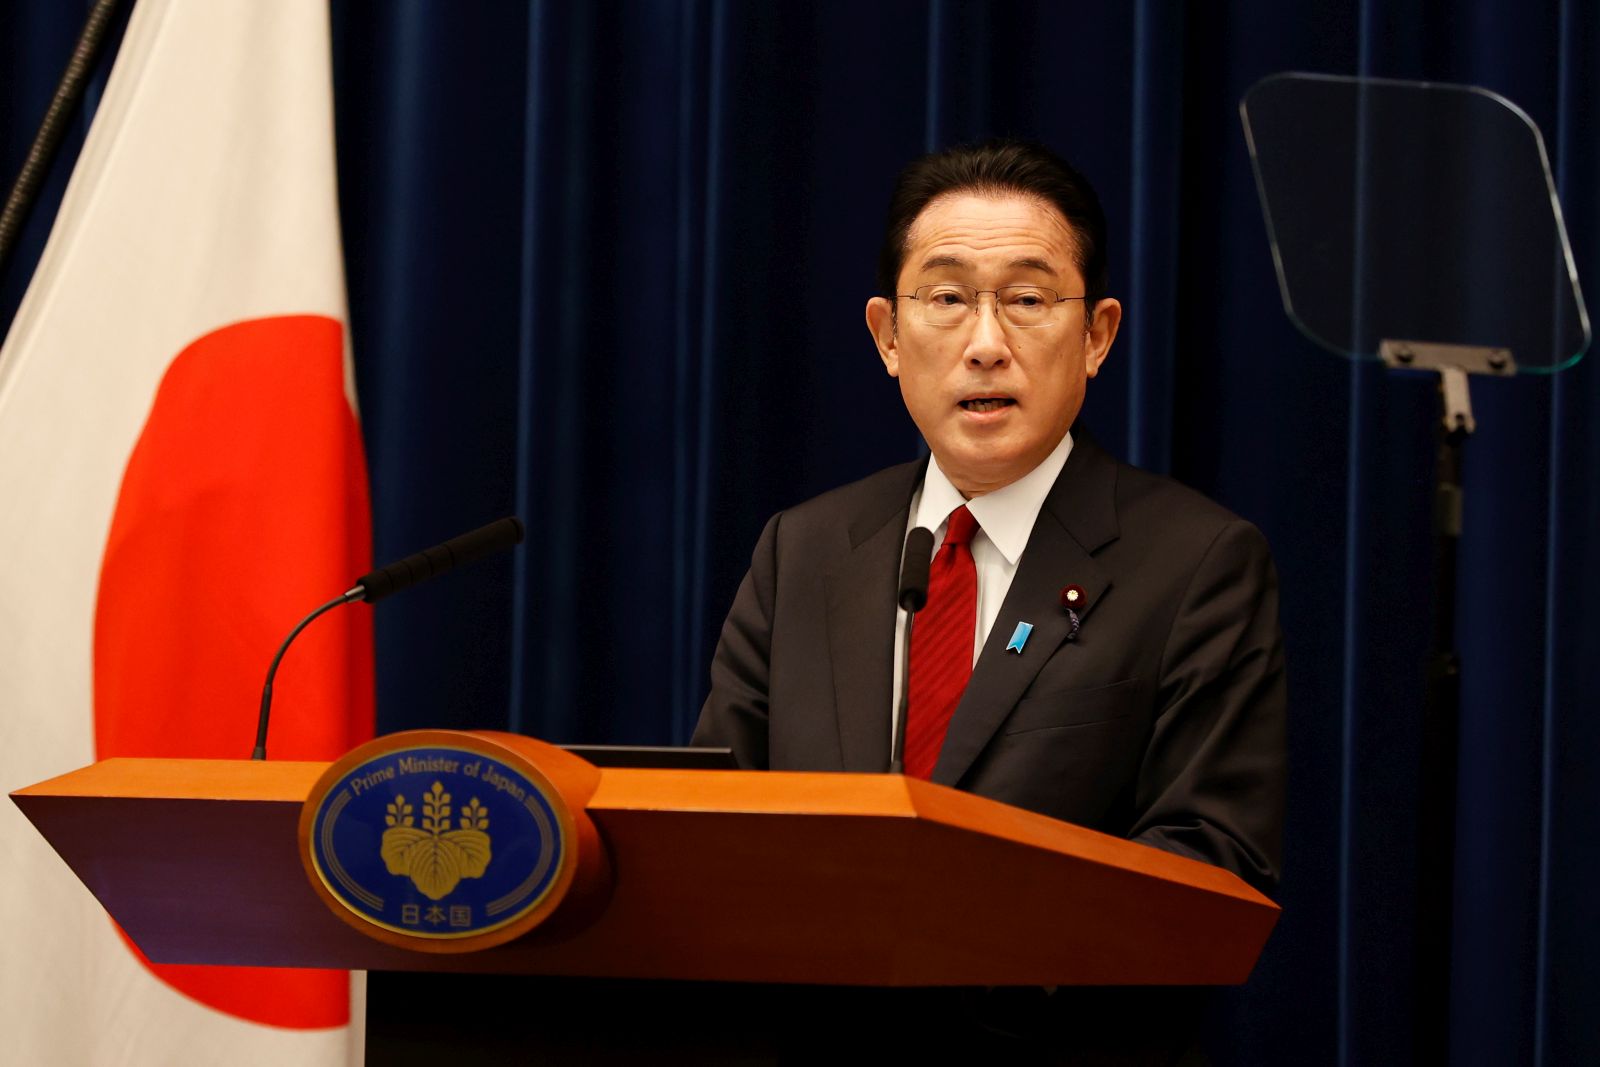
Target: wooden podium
x,y
714,877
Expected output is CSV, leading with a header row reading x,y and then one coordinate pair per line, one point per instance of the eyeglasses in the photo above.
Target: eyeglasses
x,y
1023,306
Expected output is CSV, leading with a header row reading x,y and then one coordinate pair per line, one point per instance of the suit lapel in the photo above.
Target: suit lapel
x,y
1078,517
860,597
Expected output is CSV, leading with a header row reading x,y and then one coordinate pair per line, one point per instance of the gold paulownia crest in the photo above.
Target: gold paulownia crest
x,y
436,857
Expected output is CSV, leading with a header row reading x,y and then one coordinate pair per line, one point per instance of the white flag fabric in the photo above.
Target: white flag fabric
x,y
181,478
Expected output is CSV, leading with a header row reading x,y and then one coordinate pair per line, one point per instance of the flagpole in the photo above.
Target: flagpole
x,y
56,117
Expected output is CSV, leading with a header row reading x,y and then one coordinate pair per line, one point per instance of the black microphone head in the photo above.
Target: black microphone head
x,y
914,569
456,552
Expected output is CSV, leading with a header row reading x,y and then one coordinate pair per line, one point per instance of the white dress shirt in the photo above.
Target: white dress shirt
x,y
1005,521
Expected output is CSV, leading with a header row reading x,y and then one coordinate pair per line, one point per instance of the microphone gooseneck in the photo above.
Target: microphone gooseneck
x,y
914,566
260,751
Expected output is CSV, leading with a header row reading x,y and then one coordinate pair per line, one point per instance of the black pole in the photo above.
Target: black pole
x,y
1441,731
63,106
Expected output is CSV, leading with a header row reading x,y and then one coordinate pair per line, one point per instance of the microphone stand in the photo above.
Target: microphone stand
x,y
914,563
897,761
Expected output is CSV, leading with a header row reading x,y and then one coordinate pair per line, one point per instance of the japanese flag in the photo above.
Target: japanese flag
x,y
181,478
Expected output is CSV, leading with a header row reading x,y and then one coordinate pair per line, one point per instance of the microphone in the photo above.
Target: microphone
x,y
913,597
430,563
914,569
377,584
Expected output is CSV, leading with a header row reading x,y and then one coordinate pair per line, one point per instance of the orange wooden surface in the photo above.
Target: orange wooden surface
x,y
184,779
716,875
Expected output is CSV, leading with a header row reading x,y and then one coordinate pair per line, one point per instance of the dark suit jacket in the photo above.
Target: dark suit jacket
x,y
1162,722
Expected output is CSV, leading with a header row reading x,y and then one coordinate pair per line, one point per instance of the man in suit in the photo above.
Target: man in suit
x,y
1148,699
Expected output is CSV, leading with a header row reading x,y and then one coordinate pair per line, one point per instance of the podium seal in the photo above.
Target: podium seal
x,y
439,840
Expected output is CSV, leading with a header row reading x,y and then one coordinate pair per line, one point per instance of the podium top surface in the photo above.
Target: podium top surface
x,y
645,790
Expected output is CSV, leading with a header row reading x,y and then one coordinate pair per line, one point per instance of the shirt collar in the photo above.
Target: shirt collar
x,y
1006,515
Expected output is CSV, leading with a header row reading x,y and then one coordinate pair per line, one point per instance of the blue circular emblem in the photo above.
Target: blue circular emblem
x,y
436,842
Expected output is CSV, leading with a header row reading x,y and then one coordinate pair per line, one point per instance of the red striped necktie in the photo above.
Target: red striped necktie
x,y
941,645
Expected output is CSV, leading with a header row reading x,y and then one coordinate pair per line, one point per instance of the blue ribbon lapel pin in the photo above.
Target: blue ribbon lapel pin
x,y
1019,637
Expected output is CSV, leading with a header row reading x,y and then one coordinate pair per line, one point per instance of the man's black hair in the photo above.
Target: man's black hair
x,y
998,167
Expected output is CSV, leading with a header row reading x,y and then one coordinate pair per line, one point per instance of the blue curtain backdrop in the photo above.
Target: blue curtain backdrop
x,y
607,265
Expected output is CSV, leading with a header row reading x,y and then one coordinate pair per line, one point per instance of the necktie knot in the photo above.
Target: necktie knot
x,y
962,527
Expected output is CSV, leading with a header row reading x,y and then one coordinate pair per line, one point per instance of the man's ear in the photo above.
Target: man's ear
x,y
1103,331
880,321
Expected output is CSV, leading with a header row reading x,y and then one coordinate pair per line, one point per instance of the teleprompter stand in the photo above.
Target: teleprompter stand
x,y
1418,224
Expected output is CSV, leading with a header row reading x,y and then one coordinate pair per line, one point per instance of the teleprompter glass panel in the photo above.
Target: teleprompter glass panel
x,y
1413,211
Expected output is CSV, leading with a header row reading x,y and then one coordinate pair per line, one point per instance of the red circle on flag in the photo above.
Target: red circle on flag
x,y
244,506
